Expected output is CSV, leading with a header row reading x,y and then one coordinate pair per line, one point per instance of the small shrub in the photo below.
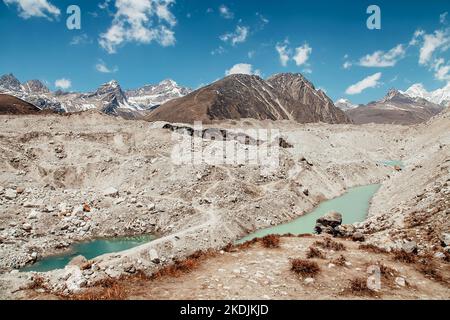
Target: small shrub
x,y
305,268
358,286
330,245
113,292
372,248
340,261
38,282
403,256
315,253
271,241
428,267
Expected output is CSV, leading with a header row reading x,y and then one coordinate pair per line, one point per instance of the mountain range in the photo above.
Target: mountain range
x,y
109,98
284,96
395,108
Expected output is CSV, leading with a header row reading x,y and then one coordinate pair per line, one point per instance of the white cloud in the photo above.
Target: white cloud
x,y
225,12
80,39
415,39
431,42
141,21
263,19
347,65
443,73
103,68
443,18
242,68
302,54
63,83
284,52
238,36
369,82
218,51
35,8
383,59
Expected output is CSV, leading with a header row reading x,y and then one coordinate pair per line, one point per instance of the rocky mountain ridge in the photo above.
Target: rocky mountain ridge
x,y
283,96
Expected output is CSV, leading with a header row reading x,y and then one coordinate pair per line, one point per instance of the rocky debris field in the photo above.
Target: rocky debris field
x,y
81,177
306,267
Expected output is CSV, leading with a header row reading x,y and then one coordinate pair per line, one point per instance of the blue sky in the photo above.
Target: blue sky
x,y
196,42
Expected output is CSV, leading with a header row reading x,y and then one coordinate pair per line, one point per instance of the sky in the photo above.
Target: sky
x,y
196,42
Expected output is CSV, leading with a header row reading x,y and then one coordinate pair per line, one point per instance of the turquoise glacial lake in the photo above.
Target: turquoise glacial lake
x,y
89,250
353,205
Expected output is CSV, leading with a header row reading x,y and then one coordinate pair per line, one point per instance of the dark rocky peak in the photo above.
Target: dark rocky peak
x,y
10,82
35,86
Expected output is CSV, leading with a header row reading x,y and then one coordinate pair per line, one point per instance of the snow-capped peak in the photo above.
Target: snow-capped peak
x,y
345,104
440,96
168,82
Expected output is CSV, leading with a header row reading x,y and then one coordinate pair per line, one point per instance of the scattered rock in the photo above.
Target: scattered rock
x,y
358,236
34,203
27,227
328,223
111,192
86,207
78,261
400,281
153,255
10,194
445,239
410,247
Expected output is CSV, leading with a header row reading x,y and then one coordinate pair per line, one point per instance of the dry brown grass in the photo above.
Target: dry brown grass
x,y
38,282
330,244
315,253
271,241
180,267
339,261
305,268
428,267
358,287
109,288
372,248
403,256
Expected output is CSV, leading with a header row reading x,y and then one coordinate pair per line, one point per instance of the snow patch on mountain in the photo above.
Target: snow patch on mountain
x,y
345,104
440,96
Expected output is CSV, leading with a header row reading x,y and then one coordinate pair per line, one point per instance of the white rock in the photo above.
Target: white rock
x,y
75,280
34,203
78,210
10,194
111,192
153,255
120,200
400,281
308,281
151,206
33,214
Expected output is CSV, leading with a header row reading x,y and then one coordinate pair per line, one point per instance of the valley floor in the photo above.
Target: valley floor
x,y
65,179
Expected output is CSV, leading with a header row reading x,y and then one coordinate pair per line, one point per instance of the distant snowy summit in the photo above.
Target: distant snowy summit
x,y
109,98
345,104
440,96
395,108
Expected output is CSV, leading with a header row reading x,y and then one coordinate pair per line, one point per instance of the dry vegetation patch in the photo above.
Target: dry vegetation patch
x,y
305,268
358,287
315,253
271,241
330,244
372,248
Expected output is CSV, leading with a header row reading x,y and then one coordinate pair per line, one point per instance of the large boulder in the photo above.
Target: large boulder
x,y
328,223
332,219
